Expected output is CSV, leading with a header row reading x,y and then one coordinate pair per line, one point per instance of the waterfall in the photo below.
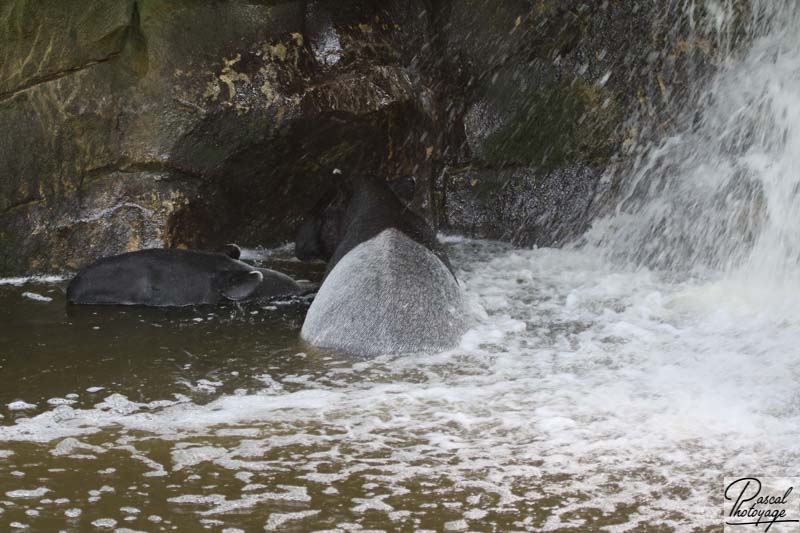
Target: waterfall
x,y
722,193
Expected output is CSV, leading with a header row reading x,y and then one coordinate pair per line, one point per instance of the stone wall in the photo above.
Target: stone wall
x,y
138,123
553,98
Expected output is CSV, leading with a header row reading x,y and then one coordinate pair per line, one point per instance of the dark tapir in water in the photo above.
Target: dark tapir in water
x,y
176,278
389,287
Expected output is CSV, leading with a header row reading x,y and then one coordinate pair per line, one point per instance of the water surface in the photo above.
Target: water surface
x,y
584,397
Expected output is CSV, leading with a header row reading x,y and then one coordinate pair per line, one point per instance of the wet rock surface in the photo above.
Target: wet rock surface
x,y
519,205
148,123
162,123
550,99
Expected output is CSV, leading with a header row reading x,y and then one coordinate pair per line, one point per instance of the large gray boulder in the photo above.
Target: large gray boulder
x,y
388,295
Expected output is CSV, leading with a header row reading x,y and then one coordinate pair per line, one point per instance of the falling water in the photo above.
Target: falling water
x,y
723,192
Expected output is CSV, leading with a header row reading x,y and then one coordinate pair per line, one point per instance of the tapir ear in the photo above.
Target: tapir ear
x,y
240,285
233,251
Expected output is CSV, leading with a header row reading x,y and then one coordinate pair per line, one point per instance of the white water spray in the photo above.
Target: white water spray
x,y
723,193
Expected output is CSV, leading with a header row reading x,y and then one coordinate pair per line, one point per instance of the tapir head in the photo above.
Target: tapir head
x,y
325,225
240,285
323,228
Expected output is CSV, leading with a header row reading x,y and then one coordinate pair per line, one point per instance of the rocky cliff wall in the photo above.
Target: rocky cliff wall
x,y
142,123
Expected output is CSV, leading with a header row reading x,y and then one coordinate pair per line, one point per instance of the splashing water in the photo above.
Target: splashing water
x,y
723,193
583,397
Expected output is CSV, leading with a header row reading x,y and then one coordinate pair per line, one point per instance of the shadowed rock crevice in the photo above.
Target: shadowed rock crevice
x,y
261,193
166,170
56,76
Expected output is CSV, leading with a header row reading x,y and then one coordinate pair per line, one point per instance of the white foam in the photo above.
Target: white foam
x,y
186,457
27,494
220,503
456,525
203,386
60,401
364,505
19,281
475,514
20,405
104,523
276,520
244,477
284,252
36,297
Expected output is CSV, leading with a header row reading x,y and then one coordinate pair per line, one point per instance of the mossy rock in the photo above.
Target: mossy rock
x,y
554,126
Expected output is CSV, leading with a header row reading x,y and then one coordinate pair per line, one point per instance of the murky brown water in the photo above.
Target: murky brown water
x,y
574,404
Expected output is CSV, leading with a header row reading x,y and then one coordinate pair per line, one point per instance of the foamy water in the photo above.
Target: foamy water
x,y
581,390
20,281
